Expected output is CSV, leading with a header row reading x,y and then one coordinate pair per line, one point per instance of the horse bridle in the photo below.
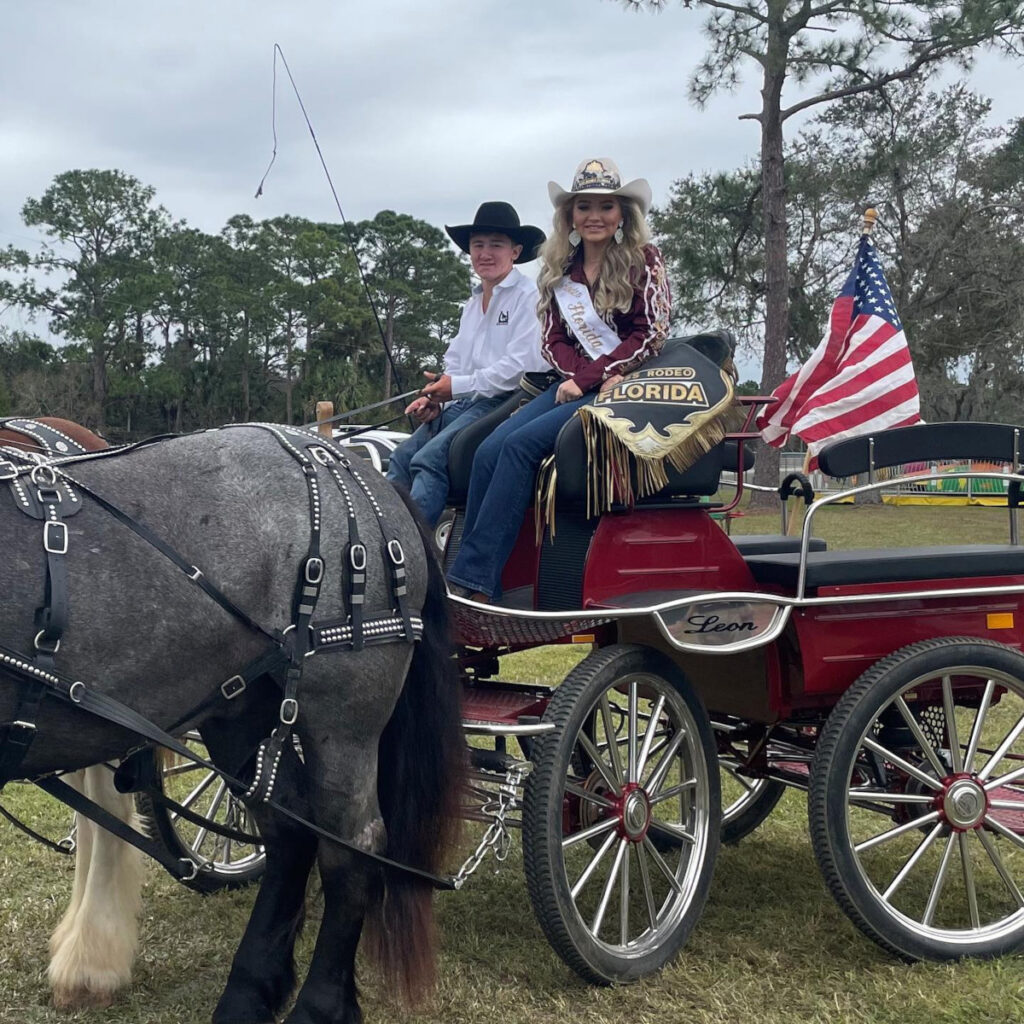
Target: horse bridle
x,y
57,495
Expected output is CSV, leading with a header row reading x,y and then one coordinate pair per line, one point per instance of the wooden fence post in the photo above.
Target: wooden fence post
x,y
324,411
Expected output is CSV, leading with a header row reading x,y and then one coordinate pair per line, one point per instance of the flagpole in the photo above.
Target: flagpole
x,y
870,216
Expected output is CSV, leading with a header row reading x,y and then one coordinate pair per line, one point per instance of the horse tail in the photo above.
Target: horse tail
x,y
420,766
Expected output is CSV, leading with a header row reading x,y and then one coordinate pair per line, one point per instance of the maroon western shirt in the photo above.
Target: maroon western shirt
x,y
642,328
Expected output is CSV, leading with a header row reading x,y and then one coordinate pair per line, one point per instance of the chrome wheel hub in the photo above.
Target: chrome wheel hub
x,y
964,804
635,815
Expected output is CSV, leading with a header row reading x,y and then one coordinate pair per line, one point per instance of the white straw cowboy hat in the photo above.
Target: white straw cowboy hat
x,y
600,176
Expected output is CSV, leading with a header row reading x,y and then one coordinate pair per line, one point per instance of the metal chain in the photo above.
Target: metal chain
x,y
497,836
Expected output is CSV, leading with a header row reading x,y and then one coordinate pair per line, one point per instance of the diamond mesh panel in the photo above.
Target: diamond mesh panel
x,y
503,627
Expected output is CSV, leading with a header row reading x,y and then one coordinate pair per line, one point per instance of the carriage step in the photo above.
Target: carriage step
x,y
504,709
493,762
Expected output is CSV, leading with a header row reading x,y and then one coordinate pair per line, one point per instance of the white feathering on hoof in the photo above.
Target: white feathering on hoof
x,y
93,947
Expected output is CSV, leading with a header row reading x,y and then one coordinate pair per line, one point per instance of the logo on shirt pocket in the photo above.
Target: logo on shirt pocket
x,y
503,317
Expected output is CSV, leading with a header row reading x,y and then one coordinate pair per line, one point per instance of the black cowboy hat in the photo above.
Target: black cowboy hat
x,y
502,219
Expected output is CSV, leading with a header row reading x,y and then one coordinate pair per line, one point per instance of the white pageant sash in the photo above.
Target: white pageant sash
x,y
593,334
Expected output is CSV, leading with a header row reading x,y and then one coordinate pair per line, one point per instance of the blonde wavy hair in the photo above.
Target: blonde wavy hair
x,y
614,289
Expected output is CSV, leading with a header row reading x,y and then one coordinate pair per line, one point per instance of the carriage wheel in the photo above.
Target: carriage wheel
x,y
746,801
621,815
917,800
225,863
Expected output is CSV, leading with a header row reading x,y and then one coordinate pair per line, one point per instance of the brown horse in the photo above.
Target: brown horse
x,y
92,949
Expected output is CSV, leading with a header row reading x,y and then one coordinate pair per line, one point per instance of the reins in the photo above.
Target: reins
x,y
284,662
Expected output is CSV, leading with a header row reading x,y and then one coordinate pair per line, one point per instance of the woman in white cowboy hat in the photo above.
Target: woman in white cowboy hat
x,y
604,302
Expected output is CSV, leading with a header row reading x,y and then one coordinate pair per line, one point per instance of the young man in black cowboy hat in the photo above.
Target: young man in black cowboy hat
x,y
498,341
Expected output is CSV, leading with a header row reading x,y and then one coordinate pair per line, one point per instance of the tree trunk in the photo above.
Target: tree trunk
x,y
773,187
389,336
99,383
246,404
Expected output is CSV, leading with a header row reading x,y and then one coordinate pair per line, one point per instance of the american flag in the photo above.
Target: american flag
x,y
860,378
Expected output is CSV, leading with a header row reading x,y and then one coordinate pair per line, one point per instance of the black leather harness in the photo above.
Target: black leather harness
x,y
46,490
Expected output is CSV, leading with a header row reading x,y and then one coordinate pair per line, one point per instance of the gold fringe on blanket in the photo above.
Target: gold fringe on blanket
x,y
615,444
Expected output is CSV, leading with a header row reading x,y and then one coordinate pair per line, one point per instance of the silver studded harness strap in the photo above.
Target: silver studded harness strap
x,y
284,661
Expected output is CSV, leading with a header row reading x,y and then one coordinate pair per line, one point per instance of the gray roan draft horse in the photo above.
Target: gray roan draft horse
x,y
301,551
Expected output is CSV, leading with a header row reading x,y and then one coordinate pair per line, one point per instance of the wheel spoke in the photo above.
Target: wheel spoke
x,y
734,774
587,794
879,796
968,870
939,883
662,866
631,737
667,794
196,793
1003,780
645,750
927,749
211,814
624,899
955,753
645,878
613,743
657,777
997,756
609,886
587,744
997,863
884,837
922,848
597,829
592,866
672,830
979,724
905,766
998,826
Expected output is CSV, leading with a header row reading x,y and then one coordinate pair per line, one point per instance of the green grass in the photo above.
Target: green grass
x,y
772,946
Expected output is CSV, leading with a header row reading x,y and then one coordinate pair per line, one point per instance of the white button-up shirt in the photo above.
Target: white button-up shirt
x,y
493,350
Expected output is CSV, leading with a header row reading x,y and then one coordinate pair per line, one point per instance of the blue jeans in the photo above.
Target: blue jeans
x,y
501,488
421,462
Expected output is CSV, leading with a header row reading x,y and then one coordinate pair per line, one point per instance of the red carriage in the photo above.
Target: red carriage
x,y
887,682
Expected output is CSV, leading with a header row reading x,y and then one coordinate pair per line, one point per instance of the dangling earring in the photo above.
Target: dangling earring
x,y
574,238
619,236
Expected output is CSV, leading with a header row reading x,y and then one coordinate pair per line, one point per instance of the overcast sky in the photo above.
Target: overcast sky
x,y
427,107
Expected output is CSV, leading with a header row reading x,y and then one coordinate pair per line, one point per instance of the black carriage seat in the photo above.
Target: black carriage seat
x,y
997,442
701,480
463,448
889,565
752,544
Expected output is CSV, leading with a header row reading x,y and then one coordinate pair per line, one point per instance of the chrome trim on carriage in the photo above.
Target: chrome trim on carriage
x,y
782,606
497,729
193,865
852,492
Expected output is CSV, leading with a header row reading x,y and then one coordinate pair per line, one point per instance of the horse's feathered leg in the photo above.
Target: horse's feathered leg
x,y
93,947
328,995
262,973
